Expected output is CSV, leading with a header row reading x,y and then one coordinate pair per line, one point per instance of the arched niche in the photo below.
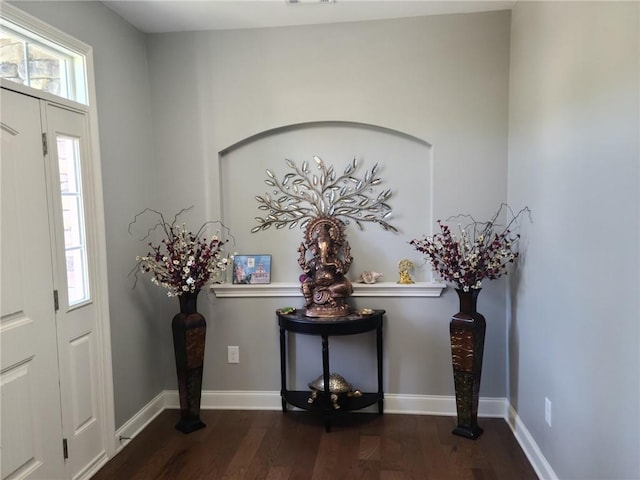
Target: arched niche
x,y
405,166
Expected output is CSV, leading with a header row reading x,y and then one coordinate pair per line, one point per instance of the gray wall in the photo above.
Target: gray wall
x,y
141,345
573,158
441,79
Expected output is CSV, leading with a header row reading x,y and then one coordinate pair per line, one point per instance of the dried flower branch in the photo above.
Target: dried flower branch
x,y
303,195
182,261
483,249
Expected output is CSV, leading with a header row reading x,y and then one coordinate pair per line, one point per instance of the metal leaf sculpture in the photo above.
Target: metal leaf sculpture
x,y
302,195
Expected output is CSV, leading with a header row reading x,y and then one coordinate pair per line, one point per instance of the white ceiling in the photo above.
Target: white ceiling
x,y
158,16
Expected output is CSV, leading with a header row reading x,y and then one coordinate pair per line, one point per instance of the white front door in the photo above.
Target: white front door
x,y
51,380
31,432
83,411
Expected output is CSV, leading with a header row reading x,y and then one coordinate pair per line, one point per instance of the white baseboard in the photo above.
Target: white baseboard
x,y
530,447
230,400
393,403
140,420
441,405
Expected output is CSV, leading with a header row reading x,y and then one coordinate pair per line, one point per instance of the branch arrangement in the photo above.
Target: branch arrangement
x,y
481,250
182,261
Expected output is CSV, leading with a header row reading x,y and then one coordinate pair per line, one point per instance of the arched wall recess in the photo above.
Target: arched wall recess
x,y
405,166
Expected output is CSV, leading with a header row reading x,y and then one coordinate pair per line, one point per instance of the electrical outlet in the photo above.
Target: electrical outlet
x,y
547,411
233,354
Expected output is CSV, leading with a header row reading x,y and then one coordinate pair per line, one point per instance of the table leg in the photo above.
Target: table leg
x,y
283,370
379,351
325,376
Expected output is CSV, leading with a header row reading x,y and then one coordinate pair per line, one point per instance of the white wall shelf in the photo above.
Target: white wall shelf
x,y
383,289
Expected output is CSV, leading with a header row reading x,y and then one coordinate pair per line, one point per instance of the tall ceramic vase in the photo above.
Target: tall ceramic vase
x,y
189,330
467,329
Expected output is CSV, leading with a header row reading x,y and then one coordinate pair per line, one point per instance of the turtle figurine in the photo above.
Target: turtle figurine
x,y
337,385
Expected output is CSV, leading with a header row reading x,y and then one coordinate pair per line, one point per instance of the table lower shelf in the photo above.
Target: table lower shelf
x,y
300,399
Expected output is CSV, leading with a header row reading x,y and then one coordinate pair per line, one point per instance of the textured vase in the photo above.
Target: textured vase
x,y
189,331
467,330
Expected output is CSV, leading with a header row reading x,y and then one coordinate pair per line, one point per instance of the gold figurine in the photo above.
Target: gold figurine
x,y
405,267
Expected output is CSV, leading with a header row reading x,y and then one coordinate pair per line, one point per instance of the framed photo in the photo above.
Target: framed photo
x,y
251,269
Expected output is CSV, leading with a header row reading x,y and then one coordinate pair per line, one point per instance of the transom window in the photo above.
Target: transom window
x,y
31,60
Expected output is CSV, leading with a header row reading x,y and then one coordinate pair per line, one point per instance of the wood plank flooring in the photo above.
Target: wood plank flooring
x,y
252,445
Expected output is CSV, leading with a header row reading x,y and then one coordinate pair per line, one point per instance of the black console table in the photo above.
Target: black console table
x,y
297,322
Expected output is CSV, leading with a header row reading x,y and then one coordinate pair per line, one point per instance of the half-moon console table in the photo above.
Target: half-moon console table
x,y
297,322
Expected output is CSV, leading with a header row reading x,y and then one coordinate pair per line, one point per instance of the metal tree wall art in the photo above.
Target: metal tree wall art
x,y
303,195
324,202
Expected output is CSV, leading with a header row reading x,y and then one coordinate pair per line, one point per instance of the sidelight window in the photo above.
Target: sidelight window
x,y
73,219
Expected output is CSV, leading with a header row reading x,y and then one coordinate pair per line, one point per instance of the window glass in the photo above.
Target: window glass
x,y
30,60
73,219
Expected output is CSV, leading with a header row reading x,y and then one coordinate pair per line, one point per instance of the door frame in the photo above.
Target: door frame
x,y
95,208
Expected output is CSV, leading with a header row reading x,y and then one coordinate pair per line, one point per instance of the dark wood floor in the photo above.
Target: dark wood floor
x,y
276,446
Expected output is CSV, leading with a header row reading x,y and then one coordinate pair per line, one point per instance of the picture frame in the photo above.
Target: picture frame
x,y
251,269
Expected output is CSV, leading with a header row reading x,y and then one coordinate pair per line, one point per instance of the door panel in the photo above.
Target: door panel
x,y
31,432
78,348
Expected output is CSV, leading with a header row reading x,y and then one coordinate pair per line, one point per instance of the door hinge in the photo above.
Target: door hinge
x,y
65,448
56,302
45,144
